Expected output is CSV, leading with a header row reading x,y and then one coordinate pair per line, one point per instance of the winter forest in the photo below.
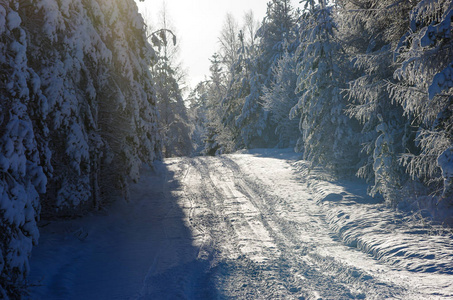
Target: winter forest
x,y
90,93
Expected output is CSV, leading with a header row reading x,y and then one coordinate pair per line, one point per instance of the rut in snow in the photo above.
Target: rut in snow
x,y
241,226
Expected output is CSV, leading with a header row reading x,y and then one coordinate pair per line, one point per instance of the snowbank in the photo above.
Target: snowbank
x,y
401,238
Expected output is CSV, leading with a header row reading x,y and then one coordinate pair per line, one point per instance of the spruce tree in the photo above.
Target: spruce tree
x,y
329,137
22,176
369,32
255,123
424,90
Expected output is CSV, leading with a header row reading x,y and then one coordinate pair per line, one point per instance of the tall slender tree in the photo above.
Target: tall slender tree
x,y
328,134
169,77
257,128
280,97
369,32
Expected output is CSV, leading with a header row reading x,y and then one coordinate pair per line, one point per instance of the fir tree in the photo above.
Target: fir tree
x,y
78,115
280,97
425,90
328,134
22,177
368,31
257,129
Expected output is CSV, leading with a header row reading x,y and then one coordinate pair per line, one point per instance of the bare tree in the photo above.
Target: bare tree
x,y
229,41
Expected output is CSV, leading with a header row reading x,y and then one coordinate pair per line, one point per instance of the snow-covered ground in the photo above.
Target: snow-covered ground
x,y
252,225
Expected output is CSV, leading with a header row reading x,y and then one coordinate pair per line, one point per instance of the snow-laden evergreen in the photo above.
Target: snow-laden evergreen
x,y
225,91
22,177
276,32
373,85
424,90
96,78
174,125
329,137
386,133
234,99
219,133
280,97
77,119
169,80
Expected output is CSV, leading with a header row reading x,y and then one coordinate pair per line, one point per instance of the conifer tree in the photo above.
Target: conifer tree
x,y
257,128
280,97
237,88
78,116
424,91
369,32
328,135
22,176
174,125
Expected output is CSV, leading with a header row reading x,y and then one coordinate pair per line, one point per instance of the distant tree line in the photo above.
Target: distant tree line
x,y
359,87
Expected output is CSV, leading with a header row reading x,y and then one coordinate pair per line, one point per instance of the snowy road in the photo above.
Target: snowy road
x,y
241,226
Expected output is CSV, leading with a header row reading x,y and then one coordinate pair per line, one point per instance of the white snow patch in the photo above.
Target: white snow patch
x,y
255,224
14,20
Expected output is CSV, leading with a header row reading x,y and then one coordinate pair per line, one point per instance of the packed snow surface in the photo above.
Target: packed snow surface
x,y
252,225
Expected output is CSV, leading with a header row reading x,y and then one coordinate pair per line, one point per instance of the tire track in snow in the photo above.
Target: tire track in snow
x,y
317,274
239,269
231,227
264,255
